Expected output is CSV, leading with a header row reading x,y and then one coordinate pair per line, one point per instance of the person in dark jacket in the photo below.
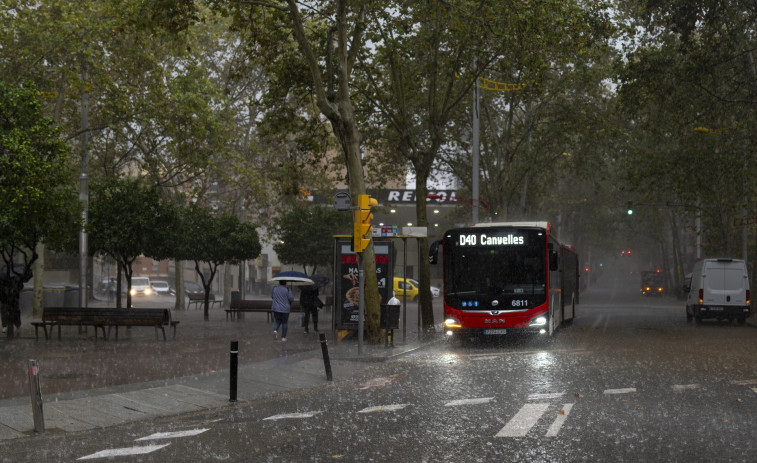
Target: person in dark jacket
x,y
309,302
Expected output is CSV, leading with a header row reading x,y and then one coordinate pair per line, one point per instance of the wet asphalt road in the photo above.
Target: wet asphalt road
x,y
629,380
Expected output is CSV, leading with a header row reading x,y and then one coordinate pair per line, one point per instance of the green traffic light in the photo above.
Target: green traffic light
x,y
630,212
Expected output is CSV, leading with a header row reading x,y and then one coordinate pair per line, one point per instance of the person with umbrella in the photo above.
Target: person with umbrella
x,y
281,306
282,299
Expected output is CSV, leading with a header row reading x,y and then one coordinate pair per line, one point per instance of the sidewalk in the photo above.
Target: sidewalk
x,y
88,383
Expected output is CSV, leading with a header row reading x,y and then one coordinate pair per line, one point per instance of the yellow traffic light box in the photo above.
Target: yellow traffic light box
x,y
361,226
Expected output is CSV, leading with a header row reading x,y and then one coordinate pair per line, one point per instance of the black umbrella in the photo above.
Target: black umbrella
x,y
319,281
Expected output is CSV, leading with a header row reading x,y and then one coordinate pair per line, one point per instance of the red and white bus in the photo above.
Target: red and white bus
x,y
502,278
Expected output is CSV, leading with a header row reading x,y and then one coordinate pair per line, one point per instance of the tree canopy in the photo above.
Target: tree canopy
x,y
39,203
305,235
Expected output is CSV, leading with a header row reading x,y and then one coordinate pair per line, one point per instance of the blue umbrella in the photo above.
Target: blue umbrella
x,y
294,278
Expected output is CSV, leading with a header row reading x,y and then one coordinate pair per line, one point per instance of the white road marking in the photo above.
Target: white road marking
x,y
523,421
379,382
626,390
123,452
384,408
482,400
562,415
173,435
285,416
684,387
546,395
744,382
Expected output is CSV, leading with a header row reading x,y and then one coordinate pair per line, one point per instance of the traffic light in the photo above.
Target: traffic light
x,y
630,207
362,222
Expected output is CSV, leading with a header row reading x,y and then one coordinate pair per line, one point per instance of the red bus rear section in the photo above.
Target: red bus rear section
x,y
504,278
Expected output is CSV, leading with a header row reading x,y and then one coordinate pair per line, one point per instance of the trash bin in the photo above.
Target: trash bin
x,y
53,295
71,296
390,321
390,317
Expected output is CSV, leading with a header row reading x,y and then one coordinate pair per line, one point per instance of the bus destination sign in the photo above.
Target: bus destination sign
x,y
482,239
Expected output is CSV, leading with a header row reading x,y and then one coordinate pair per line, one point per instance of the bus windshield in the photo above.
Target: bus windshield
x,y
497,262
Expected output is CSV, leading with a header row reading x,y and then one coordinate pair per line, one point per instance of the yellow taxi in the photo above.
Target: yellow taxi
x,y
405,288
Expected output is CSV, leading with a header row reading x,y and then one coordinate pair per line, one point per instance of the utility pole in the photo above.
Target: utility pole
x,y
475,154
84,189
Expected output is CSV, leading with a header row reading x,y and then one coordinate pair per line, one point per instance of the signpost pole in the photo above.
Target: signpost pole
x,y
361,304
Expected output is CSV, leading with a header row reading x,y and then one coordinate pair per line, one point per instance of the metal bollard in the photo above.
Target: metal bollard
x,y
233,362
36,396
325,350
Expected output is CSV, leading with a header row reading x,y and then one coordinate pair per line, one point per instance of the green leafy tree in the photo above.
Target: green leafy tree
x,y
126,216
38,201
285,29
688,89
418,86
215,240
305,235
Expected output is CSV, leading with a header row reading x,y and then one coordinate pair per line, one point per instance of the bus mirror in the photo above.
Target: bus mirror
x,y
433,253
553,261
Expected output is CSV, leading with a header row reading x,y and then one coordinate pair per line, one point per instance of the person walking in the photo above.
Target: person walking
x,y
281,305
309,302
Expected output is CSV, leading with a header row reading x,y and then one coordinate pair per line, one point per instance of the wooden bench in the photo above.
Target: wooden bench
x,y
255,305
199,300
99,318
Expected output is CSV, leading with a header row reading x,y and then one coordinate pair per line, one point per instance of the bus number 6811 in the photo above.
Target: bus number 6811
x,y
519,303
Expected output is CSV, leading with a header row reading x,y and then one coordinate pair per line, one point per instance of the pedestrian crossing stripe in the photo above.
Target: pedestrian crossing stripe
x,y
527,417
523,421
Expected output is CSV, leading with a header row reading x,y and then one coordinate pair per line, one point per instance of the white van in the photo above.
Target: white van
x,y
719,288
140,286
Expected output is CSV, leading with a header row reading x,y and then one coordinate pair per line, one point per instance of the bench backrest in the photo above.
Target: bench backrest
x,y
261,304
106,316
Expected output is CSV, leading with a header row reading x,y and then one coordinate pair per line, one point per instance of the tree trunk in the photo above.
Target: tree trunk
x,y
426,299
39,273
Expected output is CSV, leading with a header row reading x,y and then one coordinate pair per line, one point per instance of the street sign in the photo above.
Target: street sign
x,y
342,201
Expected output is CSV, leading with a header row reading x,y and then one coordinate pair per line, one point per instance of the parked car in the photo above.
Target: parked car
x,y
140,286
405,289
161,288
192,288
435,292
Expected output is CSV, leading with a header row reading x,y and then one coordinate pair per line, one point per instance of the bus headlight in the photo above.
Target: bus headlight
x,y
452,323
541,320
133,292
148,291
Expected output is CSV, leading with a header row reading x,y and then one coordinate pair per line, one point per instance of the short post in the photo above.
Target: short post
x,y
326,361
233,362
36,396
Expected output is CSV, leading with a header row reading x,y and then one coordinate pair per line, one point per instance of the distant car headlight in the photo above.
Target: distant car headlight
x,y
148,291
133,292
